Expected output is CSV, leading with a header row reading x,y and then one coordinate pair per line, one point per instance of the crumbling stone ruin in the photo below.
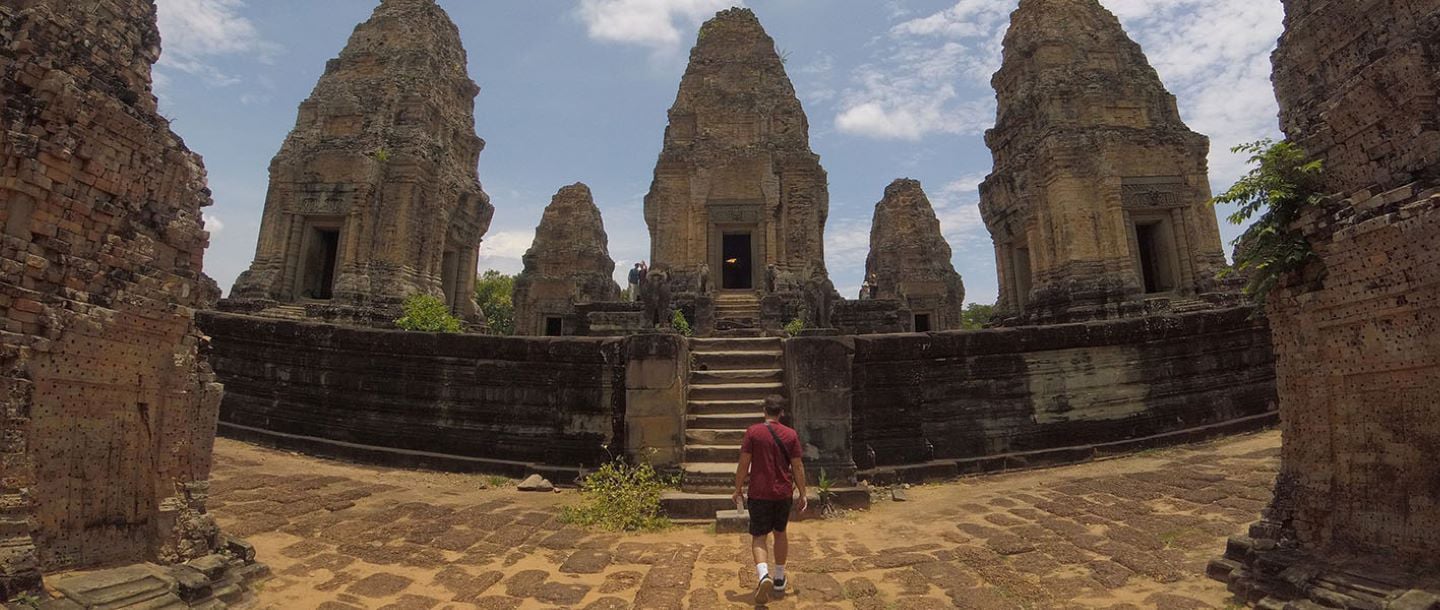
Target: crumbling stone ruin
x,y
1356,514
910,259
738,194
1099,201
375,195
569,263
109,408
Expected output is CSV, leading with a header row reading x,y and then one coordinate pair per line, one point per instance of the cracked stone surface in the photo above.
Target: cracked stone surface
x,y
1133,532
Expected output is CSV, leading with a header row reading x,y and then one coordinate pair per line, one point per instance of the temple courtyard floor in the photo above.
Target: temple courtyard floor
x,y
1132,532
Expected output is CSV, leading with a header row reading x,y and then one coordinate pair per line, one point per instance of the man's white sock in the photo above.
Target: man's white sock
x,y
761,571
779,573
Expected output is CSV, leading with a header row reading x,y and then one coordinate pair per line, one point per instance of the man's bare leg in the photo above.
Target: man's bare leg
x,y
759,546
782,552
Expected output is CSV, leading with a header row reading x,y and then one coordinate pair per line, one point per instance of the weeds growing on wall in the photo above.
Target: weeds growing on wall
x,y
621,497
795,327
427,314
1279,186
680,324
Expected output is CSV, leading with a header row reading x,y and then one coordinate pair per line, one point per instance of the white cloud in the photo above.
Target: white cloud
x,y
213,223
196,32
931,75
650,23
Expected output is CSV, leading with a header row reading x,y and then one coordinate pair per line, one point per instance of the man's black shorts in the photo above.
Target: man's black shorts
x,y
768,516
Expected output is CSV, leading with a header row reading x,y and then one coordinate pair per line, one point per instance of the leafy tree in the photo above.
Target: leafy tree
x,y
494,293
428,314
976,316
1279,187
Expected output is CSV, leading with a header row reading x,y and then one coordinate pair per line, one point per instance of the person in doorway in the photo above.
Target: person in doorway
x,y
771,456
635,281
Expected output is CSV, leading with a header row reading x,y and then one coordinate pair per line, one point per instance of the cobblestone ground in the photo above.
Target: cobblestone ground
x,y
1125,533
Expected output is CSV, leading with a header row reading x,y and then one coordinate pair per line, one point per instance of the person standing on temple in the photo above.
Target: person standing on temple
x,y
635,278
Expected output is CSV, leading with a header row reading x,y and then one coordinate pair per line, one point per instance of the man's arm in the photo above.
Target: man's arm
x,y
797,469
740,472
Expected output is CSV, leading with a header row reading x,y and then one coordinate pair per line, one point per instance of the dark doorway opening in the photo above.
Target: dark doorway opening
x,y
554,326
1021,266
449,277
1154,265
320,265
922,322
737,261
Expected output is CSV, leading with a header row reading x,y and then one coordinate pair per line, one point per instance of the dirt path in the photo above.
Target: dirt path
x,y
1128,533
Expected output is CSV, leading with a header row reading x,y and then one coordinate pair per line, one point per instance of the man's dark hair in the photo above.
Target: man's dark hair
x,y
774,405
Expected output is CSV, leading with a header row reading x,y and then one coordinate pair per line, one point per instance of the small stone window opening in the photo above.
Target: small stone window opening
x,y
922,323
554,326
1156,251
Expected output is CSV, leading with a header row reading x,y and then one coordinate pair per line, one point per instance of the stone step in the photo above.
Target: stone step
x,y
735,391
713,436
732,361
730,344
712,453
133,586
723,421
698,506
707,476
726,407
737,375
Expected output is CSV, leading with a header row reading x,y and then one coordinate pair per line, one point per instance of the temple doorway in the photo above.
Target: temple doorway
x,y
737,262
1152,241
318,278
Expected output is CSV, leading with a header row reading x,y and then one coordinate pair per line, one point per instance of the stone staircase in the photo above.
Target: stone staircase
x,y
729,380
737,311
284,312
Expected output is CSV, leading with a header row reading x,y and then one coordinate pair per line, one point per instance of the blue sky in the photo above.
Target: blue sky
x,y
578,90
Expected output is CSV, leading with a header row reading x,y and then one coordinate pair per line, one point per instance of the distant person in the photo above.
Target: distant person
x,y
867,288
771,456
635,278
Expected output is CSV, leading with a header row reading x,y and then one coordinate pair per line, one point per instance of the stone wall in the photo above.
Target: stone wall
x,y
1357,334
462,402
959,396
108,409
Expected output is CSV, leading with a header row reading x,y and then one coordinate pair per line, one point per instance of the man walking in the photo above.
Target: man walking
x,y
635,282
772,457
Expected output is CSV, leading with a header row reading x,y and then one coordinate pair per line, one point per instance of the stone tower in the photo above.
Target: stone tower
x,y
375,195
738,195
1099,200
569,263
909,259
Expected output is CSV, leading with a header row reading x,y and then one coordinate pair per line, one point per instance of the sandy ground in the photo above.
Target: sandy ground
x,y
1134,532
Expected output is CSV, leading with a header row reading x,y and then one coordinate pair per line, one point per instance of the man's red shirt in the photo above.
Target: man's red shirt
x,y
770,476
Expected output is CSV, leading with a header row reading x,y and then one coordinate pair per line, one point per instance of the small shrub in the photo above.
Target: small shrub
x,y
620,497
382,155
494,294
826,488
427,314
1277,189
680,324
795,327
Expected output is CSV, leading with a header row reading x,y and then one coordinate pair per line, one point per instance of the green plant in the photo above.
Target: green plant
x,y
382,155
495,480
825,486
976,316
1279,187
680,324
26,599
428,314
495,295
795,327
620,497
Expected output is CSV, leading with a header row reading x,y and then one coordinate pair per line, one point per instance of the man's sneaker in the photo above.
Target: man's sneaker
x,y
764,590
780,586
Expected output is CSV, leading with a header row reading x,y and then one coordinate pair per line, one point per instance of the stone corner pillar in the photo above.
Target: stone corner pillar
x,y
657,369
818,375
